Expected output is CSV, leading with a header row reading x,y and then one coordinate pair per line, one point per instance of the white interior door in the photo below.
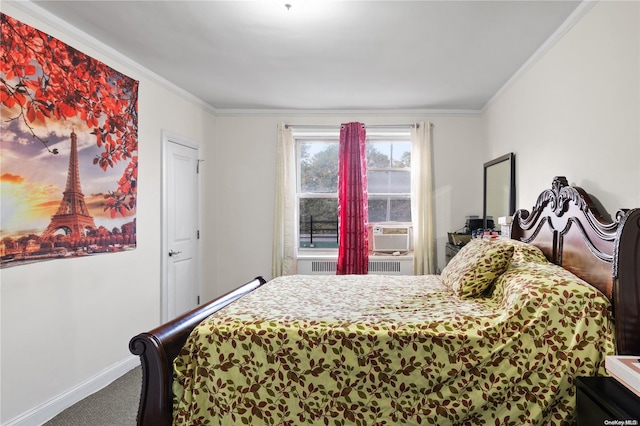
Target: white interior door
x,y
181,286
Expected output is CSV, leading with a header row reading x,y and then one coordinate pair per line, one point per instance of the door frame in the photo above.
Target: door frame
x,y
168,138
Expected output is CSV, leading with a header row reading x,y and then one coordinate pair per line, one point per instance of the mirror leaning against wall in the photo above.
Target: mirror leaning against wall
x,y
499,189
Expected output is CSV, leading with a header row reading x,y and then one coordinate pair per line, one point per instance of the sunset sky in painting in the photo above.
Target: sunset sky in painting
x,y
32,179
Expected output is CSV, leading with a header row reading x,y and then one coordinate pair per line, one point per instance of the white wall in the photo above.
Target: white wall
x,y
576,112
67,324
245,189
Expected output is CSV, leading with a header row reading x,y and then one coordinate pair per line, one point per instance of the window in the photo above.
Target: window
x,y
388,178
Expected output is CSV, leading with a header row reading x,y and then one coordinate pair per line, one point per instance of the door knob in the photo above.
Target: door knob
x,y
171,252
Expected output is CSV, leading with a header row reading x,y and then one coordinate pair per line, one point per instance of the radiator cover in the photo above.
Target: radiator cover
x,y
378,265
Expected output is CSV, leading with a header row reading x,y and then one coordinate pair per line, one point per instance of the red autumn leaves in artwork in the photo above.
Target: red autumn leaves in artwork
x,y
42,78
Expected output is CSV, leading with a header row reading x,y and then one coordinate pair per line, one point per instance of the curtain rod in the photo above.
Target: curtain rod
x,y
365,126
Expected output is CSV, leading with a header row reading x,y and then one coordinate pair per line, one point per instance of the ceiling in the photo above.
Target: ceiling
x,y
325,55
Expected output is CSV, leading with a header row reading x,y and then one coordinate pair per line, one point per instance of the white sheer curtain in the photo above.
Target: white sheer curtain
x,y
422,199
284,217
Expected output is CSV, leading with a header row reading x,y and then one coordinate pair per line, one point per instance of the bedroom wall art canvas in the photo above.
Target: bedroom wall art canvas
x,y
69,151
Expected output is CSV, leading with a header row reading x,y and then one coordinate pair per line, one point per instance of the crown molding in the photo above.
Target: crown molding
x,y
31,9
575,17
346,112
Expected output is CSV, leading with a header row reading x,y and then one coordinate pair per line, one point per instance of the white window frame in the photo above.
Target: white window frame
x,y
372,137
298,139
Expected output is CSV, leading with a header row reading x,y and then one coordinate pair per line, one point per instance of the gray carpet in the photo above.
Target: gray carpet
x,y
115,405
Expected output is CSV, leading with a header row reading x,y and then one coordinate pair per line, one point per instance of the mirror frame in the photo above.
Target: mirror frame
x,y
510,159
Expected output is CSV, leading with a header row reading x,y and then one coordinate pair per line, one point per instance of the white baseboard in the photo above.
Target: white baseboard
x,y
51,408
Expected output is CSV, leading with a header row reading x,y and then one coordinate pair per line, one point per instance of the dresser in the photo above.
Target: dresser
x,y
450,250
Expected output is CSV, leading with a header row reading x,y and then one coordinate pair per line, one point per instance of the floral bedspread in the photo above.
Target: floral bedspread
x,y
389,350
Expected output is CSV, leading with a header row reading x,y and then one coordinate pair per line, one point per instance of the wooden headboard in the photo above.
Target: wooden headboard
x,y
567,225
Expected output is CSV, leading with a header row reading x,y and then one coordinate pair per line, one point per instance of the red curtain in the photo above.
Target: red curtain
x,y
353,221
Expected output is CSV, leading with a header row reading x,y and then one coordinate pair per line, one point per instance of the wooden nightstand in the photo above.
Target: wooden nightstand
x,y
450,250
604,401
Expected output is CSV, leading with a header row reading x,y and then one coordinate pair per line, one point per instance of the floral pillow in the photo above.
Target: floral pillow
x,y
470,272
523,252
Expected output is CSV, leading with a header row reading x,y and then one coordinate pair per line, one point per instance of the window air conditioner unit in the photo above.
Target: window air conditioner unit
x,y
391,238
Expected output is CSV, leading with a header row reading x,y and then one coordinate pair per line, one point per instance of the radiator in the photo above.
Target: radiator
x,y
389,265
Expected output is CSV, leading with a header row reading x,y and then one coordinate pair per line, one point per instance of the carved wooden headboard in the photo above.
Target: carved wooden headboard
x,y
567,225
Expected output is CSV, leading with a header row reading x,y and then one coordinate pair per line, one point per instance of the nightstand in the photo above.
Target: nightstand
x,y
602,400
450,250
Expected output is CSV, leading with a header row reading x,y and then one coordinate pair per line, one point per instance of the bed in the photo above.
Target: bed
x,y
501,342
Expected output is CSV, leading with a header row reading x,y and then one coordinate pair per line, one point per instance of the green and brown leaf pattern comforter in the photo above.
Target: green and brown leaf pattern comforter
x,y
394,350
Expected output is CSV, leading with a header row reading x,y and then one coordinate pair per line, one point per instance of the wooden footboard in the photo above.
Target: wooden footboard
x,y
159,347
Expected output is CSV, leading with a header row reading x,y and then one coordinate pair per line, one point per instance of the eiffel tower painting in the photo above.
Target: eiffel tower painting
x,y
72,215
